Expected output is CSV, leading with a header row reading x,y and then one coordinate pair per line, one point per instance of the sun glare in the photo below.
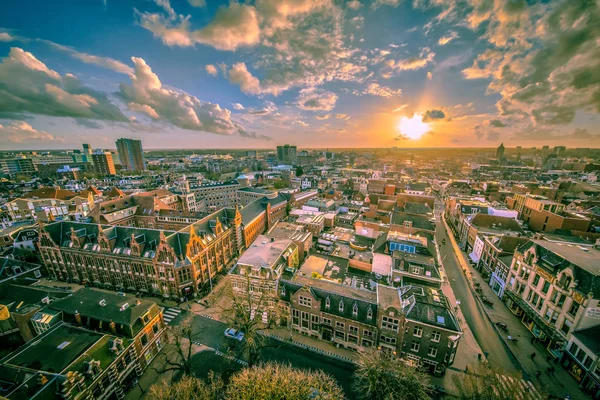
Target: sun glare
x,y
413,127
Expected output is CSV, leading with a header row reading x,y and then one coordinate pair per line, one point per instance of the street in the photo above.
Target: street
x,y
485,333
210,333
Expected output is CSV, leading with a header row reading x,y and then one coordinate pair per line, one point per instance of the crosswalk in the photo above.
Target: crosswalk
x,y
170,313
528,391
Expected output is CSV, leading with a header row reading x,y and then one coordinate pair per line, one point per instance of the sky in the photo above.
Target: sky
x,y
314,73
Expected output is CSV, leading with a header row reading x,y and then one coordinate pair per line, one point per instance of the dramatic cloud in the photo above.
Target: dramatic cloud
x,y
316,100
496,123
211,70
233,26
432,115
444,40
176,107
105,62
240,75
544,59
27,85
22,132
144,109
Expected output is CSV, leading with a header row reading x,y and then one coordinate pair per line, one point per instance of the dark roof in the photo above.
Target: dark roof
x,y
429,306
417,208
87,302
495,221
589,337
418,221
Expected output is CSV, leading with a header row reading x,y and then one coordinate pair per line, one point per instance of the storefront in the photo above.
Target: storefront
x,y
590,384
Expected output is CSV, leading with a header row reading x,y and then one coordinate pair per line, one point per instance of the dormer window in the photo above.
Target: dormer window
x,y
327,303
282,290
341,306
355,310
369,314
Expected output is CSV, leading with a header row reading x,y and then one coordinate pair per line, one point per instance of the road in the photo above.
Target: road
x,y
484,332
210,333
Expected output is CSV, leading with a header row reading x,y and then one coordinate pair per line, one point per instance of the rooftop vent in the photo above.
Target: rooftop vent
x,y
124,307
102,303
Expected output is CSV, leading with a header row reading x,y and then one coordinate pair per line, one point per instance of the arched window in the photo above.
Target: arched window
x,y
369,314
355,310
327,303
341,305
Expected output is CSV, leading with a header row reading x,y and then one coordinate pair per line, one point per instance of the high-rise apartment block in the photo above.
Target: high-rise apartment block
x,y
131,154
287,154
103,163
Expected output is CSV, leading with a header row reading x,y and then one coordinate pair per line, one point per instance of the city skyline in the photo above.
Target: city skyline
x,y
316,74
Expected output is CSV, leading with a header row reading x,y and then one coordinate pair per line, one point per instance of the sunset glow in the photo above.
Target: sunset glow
x,y
413,127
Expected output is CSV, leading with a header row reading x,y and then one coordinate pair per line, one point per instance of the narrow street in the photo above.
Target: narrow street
x,y
483,330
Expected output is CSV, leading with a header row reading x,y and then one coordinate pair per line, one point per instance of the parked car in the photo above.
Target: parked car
x,y
234,334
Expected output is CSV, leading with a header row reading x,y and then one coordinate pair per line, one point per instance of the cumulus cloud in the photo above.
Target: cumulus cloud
x,y
354,4
248,83
233,26
322,117
197,3
375,89
496,123
105,62
22,132
27,85
544,58
176,107
300,123
342,116
391,3
238,106
424,58
432,115
211,70
314,99
6,37
444,40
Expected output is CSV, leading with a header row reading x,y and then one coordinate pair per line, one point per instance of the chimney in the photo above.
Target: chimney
x,y
78,318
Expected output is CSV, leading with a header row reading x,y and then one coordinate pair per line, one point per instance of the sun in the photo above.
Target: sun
x,y
413,127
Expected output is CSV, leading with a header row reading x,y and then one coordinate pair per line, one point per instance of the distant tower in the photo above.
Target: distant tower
x,y
500,152
131,154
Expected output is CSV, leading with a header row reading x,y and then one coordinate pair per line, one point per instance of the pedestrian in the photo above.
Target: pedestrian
x,y
532,355
537,374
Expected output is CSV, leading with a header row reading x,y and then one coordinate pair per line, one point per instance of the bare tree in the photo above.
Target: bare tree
x,y
282,382
245,316
383,376
178,353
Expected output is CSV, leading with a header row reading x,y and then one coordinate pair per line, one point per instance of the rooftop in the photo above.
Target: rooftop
x,y
264,251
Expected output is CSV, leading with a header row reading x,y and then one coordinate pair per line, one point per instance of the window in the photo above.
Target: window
x,y
341,306
304,317
144,340
355,310
155,328
566,326
546,287
368,333
390,323
418,331
340,325
326,321
369,314
536,280
432,352
587,363
305,301
295,317
327,303
435,336
353,339
386,339
574,308
415,346
353,329
314,325
367,343
340,335
561,300
573,348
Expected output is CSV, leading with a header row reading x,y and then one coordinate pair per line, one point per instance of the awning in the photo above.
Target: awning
x,y
473,256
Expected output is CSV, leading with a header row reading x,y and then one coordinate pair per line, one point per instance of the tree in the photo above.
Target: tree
x,y
178,353
299,171
279,381
245,315
485,383
188,387
279,184
381,375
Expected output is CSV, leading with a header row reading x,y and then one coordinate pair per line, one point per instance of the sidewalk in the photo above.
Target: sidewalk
x,y
559,384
